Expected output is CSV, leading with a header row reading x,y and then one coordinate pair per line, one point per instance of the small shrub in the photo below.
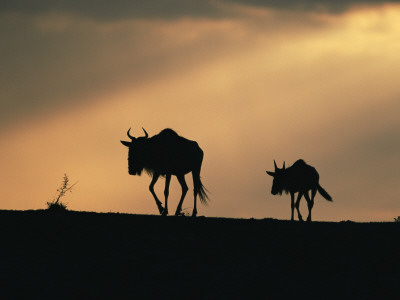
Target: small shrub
x,y
56,205
397,220
184,212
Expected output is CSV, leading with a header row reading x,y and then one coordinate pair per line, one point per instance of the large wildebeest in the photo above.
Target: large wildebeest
x,y
299,178
167,154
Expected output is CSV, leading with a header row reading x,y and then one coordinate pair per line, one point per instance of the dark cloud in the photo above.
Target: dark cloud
x,y
329,6
53,61
42,69
122,9
119,9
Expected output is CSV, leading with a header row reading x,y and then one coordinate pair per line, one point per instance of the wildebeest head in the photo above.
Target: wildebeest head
x,y
137,152
278,184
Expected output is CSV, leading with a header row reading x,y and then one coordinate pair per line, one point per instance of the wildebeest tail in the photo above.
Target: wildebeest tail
x,y
324,193
201,190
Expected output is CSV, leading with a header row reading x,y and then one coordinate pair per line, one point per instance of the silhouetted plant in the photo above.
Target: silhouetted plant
x,y
184,212
56,204
397,219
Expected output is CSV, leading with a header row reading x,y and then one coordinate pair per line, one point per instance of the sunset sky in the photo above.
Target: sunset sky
x,y
250,81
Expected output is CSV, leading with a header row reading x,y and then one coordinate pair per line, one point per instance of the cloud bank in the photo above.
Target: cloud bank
x,y
121,9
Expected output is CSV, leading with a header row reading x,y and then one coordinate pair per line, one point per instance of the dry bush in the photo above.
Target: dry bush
x,y
56,204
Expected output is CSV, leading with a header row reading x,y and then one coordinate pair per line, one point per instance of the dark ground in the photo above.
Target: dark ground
x,y
82,255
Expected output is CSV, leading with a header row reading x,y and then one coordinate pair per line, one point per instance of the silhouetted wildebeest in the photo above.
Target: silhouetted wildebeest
x,y
299,178
167,154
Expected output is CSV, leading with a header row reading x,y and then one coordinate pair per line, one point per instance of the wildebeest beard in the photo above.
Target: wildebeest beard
x,y
280,185
134,167
284,191
281,191
139,158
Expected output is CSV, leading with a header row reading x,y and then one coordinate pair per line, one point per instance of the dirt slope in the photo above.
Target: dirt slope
x,y
83,255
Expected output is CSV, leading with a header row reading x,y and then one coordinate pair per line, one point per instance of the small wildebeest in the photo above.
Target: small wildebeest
x,y
299,178
167,154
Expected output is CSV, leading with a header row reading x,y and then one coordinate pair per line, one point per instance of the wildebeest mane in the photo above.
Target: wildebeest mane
x,y
166,132
157,146
288,175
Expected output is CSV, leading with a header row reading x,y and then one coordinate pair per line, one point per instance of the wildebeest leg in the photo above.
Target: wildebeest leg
x,y
292,205
181,179
310,203
194,213
166,193
196,178
313,193
151,188
297,205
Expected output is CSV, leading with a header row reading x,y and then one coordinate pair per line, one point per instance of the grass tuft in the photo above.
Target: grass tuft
x,y
56,205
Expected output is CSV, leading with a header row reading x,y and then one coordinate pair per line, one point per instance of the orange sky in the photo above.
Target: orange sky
x,y
252,85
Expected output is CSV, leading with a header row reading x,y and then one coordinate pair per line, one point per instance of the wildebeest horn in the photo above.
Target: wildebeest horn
x,y
283,168
146,135
131,137
275,165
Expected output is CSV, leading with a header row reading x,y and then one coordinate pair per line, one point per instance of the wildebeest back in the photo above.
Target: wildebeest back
x,y
169,151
